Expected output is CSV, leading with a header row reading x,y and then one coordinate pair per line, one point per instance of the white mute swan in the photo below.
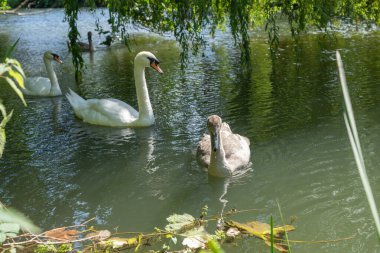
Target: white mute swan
x,y
113,112
222,152
42,86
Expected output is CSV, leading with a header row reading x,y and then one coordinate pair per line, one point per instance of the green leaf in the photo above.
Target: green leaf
x,y
11,235
139,243
4,68
6,118
2,141
10,227
10,215
2,237
16,89
214,246
19,69
195,231
177,222
2,110
18,77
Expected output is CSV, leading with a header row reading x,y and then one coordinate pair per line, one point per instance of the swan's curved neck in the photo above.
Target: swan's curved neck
x,y
145,107
218,163
55,89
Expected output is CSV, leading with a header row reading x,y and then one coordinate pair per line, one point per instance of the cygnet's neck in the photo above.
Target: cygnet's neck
x,y
90,45
55,89
218,163
145,107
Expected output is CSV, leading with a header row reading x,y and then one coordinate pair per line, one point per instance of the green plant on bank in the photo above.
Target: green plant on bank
x,y
191,21
192,231
213,247
271,235
12,223
285,231
51,248
12,74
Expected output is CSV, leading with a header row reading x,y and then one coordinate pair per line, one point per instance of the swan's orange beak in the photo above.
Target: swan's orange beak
x,y
156,67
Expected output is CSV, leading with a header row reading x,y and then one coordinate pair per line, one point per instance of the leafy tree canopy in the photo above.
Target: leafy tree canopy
x,y
191,20
3,5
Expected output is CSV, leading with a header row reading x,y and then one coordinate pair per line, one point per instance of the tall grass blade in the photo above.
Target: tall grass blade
x,y
271,235
11,49
349,120
283,223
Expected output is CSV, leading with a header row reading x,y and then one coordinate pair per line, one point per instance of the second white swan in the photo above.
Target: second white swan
x,y
42,86
116,113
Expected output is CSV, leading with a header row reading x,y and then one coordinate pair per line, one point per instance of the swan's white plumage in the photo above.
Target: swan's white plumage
x,y
37,86
109,112
42,86
116,113
230,154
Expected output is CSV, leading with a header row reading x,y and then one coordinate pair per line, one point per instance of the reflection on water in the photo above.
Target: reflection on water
x,y
61,171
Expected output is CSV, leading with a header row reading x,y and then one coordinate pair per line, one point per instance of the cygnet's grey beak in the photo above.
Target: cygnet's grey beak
x,y
215,142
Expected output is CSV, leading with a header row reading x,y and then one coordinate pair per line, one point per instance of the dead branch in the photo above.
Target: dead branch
x,y
44,238
15,10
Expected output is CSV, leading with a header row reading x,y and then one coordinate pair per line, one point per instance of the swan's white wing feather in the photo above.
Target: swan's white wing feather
x,y
107,112
236,148
37,86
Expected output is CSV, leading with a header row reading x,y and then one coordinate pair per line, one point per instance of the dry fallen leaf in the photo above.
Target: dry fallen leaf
x,y
62,234
99,235
262,231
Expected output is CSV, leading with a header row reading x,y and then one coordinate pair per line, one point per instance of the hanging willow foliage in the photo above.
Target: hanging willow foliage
x,y
71,16
191,20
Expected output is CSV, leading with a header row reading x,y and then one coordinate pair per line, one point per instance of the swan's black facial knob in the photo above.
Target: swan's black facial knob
x,y
154,64
56,58
153,60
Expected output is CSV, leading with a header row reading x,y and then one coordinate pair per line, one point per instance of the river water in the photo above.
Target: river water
x,y
61,171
